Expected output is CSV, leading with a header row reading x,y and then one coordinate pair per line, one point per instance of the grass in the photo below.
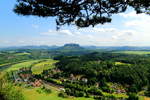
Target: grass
x,y
21,65
32,94
5,64
143,98
20,54
134,52
120,63
44,65
115,95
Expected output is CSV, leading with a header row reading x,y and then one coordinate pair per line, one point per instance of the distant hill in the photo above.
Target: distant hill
x,y
124,48
121,48
30,47
71,47
77,47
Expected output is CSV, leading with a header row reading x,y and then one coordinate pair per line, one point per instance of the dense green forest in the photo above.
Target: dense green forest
x,y
78,75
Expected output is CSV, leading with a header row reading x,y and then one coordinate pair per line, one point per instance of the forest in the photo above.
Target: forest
x,y
92,75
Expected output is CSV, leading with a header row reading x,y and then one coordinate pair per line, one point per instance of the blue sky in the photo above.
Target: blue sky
x,y
126,29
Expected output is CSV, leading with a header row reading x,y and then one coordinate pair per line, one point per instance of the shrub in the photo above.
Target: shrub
x,y
74,86
79,94
132,96
73,92
39,90
133,89
106,89
57,82
62,94
147,93
95,91
87,95
7,90
46,90
69,91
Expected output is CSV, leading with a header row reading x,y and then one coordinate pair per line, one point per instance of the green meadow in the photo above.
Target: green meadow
x,y
22,65
43,65
20,54
32,94
134,52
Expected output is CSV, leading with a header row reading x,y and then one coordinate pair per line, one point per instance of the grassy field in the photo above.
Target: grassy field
x,y
134,52
44,65
4,64
32,94
20,54
23,64
144,98
120,63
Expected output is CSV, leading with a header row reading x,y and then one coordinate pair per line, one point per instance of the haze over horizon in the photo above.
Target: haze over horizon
x,y
126,29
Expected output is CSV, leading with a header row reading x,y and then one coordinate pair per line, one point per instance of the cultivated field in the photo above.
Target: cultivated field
x,y
22,65
43,65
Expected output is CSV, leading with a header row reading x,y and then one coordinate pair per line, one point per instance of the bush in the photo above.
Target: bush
x,y
46,90
7,90
95,91
73,92
39,91
79,94
147,93
57,82
62,94
87,95
74,86
132,96
106,89
69,91
133,89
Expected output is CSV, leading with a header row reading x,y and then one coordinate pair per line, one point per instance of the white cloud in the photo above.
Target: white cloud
x,y
90,36
139,23
104,29
136,20
59,32
124,35
97,30
133,14
130,14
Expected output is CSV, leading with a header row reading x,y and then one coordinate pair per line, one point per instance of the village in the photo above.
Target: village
x,y
25,76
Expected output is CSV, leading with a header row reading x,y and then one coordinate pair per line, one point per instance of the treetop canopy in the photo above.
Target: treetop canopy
x,y
82,13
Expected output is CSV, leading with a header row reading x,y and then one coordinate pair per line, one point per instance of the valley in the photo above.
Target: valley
x,y
76,74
